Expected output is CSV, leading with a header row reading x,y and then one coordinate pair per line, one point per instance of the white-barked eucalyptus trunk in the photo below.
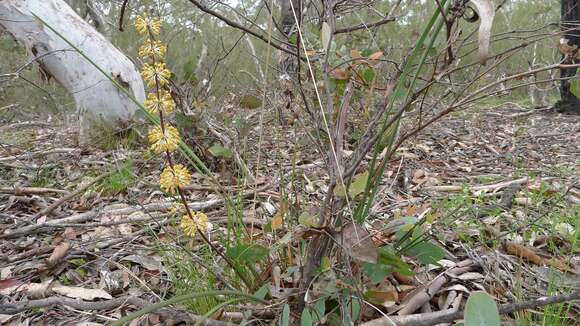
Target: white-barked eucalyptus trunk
x,y
96,97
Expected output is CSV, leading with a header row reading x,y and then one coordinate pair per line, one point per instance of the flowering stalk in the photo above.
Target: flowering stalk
x,y
165,139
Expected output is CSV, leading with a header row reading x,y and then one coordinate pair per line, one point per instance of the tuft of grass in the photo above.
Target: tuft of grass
x,y
187,276
119,180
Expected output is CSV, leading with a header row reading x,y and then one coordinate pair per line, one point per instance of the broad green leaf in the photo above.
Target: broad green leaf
x,y
426,253
285,318
250,102
575,87
306,318
248,253
319,309
189,72
325,36
359,184
387,257
340,190
326,264
376,272
481,310
307,220
368,75
219,151
262,292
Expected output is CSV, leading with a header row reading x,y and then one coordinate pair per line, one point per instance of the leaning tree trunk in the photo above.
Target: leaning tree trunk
x,y
570,12
96,98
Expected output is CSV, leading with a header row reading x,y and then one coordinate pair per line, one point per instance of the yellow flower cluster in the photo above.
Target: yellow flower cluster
x,y
159,102
164,141
145,25
197,221
156,74
152,49
164,138
172,179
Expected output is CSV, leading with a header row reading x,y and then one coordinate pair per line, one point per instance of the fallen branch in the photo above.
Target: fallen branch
x,y
40,154
69,196
175,315
449,315
495,186
19,191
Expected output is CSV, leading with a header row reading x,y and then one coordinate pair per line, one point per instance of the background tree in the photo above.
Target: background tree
x,y
96,98
570,12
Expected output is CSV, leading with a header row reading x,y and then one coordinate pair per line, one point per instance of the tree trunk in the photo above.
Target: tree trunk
x,y
288,63
96,98
570,15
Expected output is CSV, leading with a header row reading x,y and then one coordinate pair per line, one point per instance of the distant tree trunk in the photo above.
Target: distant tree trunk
x,y
96,98
288,62
570,16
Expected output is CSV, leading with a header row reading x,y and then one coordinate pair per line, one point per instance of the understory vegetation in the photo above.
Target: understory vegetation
x,y
313,163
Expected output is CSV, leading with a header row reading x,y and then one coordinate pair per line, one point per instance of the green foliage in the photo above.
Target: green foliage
x,y
219,151
481,310
247,253
119,180
250,102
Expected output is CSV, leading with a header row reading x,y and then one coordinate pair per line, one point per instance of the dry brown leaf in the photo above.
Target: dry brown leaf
x,y
277,221
357,243
355,54
386,298
58,253
376,56
523,252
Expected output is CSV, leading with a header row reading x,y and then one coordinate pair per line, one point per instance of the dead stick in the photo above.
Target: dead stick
x,y
449,315
14,308
71,195
31,191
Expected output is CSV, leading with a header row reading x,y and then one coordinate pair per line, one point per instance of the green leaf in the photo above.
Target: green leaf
x,y
387,257
320,309
325,36
481,310
326,264
359,184
285,318
426,253
340,191
261,293
189,72
376,272
219,151
575,87
248,253
368,75
307,220
293,39
250,102
306,318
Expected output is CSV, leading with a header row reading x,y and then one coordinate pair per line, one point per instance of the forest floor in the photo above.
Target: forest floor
x,y
87,236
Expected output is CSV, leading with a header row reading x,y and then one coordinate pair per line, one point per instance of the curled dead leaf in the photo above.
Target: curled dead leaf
x,y
523,252
58,254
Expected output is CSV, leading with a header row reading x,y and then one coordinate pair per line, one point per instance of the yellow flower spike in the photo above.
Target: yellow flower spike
x,y
163,141
172,179
152,49
164,103
154,71
191,225
144,24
